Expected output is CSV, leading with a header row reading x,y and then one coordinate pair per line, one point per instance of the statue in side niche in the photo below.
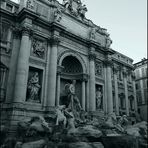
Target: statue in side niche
x,y
57,15
34,87
99,96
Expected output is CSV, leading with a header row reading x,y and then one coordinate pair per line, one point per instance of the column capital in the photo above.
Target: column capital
x,y
115,68
108,62
16,32
92,56
125,73
59,69
26,30
54,40
84,78
133,76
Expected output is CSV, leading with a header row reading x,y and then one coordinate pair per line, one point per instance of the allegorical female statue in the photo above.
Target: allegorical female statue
x,y
33,88
99,96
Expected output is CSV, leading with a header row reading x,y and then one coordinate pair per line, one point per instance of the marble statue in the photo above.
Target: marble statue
x,y
74,103
82,10
66,3
93,33
60,115
57,15
108,42
34,87
99,96
30,4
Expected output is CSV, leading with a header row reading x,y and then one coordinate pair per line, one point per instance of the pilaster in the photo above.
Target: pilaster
x,y
92,91
23,66
13,64
108,64
134,91
116,89
126,90
54,41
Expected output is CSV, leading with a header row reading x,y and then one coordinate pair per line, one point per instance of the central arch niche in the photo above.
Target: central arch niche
x,y
72,70
72,65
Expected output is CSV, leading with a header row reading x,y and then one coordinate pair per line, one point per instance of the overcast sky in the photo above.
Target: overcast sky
x,y
125,20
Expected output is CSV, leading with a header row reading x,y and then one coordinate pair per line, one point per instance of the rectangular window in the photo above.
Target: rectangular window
x,y
143,72
9,7
3,81
139,97
137,74
4,31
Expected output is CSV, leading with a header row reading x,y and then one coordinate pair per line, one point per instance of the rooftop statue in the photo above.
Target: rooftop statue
x,y
75,7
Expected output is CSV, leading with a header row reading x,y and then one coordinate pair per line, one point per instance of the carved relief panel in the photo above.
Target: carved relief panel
x,y
99,69
39,48
34,85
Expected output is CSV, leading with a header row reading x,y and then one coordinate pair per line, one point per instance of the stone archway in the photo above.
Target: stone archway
x,y
72,70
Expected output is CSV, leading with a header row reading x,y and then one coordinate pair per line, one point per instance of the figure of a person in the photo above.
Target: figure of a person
x,y
66,3
82,10
33,87
99,98
74,103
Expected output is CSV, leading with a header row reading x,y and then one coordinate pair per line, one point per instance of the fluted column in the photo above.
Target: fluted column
x,y
83,94
52,71
13,65
134,92
109,86
126,92
116,90
92,91
22,67
58,89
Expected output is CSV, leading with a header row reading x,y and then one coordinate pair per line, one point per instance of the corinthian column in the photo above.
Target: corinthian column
x,y
116,90
22,67
126,92
108,64
92,87
52,71
13,63
134,91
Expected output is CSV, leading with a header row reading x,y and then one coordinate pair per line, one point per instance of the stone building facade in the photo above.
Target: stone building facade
x,y
141,74
44,46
